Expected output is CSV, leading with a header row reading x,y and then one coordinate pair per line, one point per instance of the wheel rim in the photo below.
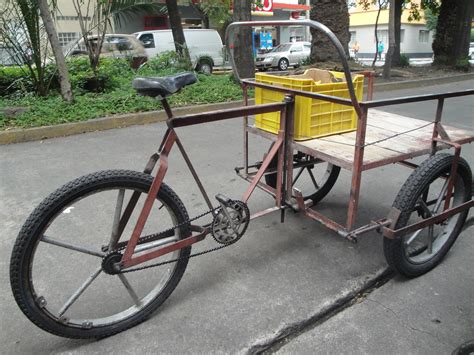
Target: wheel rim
x,y
310,179
313,177
424,244
205,69
283,64
80,294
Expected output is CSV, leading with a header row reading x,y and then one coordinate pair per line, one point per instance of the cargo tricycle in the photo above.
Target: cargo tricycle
x,y
127,235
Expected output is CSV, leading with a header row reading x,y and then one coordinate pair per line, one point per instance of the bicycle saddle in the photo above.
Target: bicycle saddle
x,y
163,86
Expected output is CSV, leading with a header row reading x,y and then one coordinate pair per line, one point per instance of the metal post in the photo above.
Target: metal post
x,y
439,113
357,169
246,133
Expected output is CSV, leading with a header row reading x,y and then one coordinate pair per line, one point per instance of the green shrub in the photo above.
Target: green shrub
x,y
463,64
404,60
168,62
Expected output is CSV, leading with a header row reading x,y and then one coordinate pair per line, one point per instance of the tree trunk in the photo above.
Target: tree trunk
x,y
243,40
177,29
453,31
398,28
64,82
376,35
334,14
391,40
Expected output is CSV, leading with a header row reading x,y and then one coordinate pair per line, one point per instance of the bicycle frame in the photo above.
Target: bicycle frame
x,y
169,140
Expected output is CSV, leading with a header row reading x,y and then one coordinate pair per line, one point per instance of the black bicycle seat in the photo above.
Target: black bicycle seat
x,y
163,86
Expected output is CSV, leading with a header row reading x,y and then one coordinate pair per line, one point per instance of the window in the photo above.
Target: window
x,y
66,37
423,36
402,36
297,48
147,40
353,37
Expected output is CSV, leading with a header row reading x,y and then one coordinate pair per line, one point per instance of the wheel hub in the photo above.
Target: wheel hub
x,y
111,263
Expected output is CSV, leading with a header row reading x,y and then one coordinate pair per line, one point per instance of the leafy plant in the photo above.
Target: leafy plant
x,y
404,60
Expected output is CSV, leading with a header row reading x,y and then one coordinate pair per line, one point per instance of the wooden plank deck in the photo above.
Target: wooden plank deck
x,y
402,138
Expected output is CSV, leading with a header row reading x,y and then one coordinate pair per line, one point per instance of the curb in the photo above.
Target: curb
x,y
140,118
104,123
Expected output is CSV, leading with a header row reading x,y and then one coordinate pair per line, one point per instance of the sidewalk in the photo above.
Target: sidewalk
x,y
433,314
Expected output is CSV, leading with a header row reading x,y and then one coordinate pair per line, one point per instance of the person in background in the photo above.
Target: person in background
x,y
380,49
355,49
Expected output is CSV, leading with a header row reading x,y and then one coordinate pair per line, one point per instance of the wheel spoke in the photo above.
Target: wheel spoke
x,y
441,197
298,175
413,237
115,227
130,290
71,246
430,239
79,292
313,179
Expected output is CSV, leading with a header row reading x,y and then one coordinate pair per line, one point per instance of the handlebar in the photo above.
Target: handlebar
x,y
313,24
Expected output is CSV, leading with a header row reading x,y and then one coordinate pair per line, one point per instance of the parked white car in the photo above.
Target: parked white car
x,y
205,46
284,56
471,50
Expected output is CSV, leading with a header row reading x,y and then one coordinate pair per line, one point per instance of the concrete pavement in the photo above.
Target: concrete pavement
x,y
277,277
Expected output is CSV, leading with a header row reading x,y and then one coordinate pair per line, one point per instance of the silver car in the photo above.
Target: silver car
x,y
283,56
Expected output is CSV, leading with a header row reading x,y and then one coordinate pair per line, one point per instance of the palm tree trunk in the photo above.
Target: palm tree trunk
x,y
334,14
64,82
453,31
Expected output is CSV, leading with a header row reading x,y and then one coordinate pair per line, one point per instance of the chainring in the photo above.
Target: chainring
x,y
229,225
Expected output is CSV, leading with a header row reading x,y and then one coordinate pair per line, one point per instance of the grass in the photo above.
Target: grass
x,y
52,110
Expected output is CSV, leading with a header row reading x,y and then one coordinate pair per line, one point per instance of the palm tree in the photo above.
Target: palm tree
x,y
334,14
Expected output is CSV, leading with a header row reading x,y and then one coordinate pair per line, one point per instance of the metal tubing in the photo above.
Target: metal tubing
x,y
194,174
313,24
419,98
289,129
439,113
126,263
313,95
246,133
265,164
213,116
150,199
392,234
357,170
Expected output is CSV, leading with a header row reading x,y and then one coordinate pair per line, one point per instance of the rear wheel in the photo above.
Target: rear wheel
x,y
314,177
57,273
422,196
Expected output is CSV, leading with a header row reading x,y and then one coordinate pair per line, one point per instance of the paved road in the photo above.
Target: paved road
x,y
276,277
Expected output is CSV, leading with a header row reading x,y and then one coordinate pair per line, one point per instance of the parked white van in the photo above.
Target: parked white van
x,y
205,46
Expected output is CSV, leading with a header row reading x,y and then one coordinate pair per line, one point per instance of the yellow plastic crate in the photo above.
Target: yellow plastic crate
x,y
313,118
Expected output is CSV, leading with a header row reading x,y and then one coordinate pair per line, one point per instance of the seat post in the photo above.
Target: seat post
x,y
167,107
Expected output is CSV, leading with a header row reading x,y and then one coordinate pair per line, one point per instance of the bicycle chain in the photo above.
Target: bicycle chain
x,y
144,239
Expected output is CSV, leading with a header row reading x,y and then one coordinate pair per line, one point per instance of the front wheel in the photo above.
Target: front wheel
x,y
56,270
422,196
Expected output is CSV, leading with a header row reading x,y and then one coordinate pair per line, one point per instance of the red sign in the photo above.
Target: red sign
x,y
264,6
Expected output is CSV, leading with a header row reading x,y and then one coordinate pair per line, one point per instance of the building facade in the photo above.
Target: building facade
x,y
415,37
